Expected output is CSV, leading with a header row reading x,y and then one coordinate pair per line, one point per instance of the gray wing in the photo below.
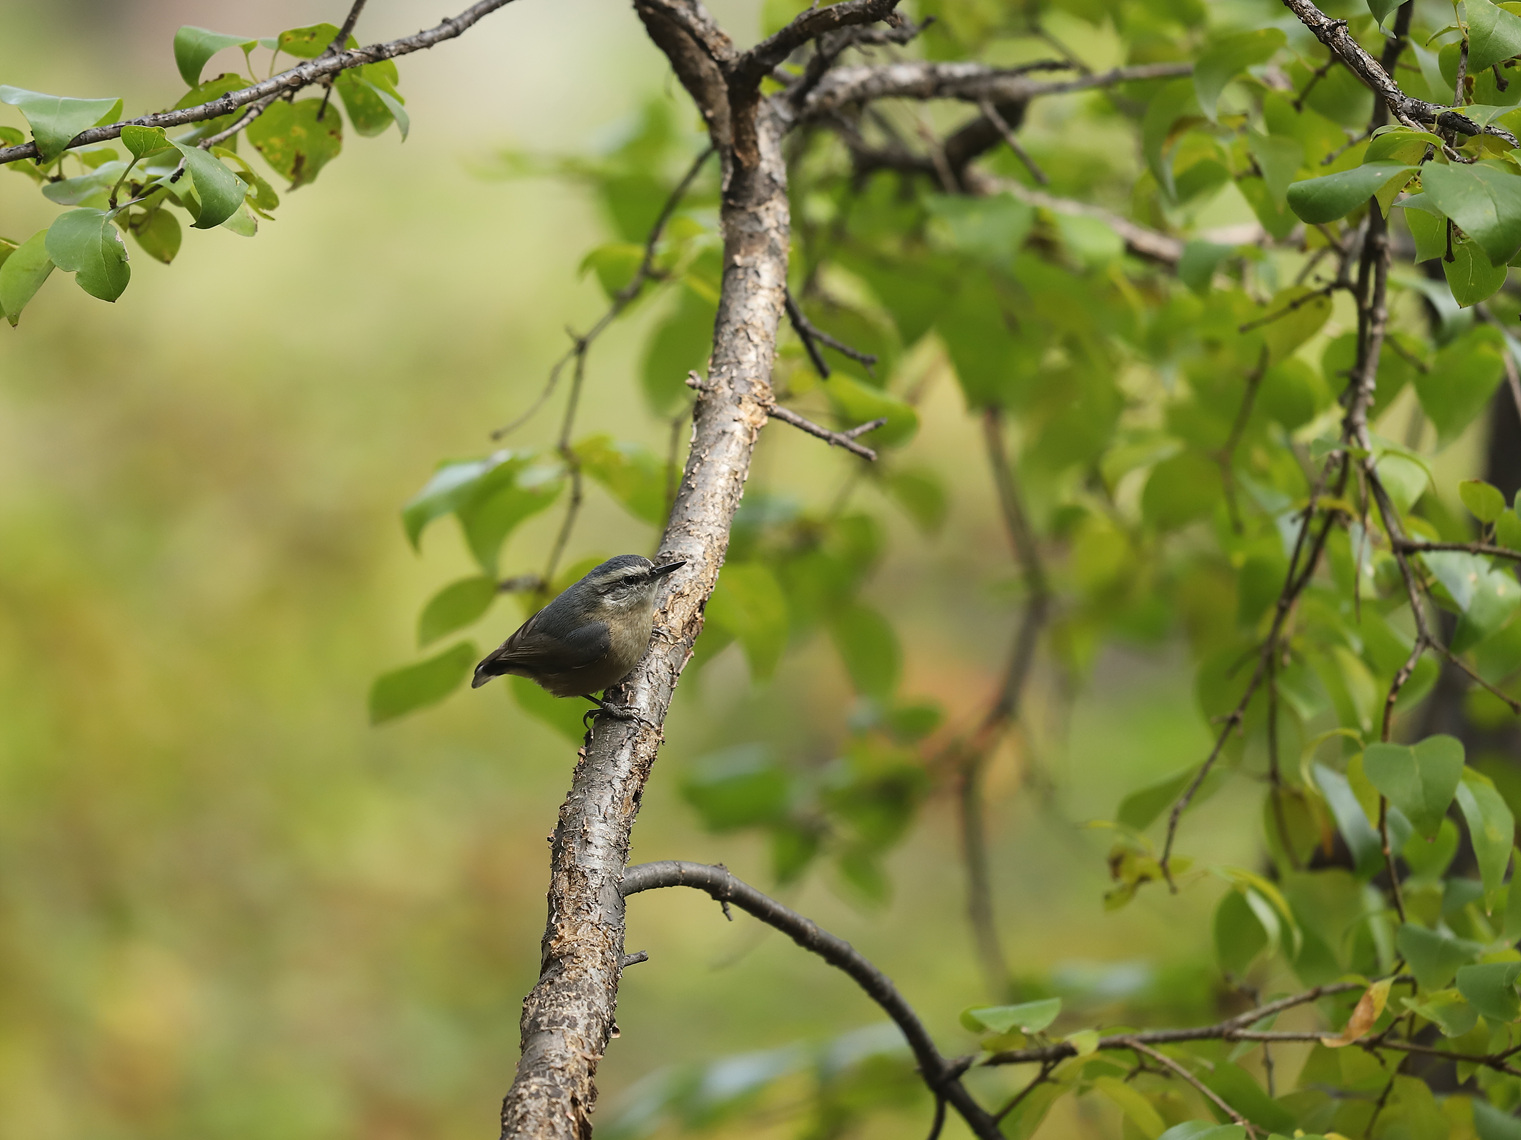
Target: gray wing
x,y
532,651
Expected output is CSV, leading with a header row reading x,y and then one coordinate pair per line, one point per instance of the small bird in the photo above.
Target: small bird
x,y
588,638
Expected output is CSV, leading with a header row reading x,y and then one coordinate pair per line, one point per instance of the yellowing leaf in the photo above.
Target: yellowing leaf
x,y
1369,1007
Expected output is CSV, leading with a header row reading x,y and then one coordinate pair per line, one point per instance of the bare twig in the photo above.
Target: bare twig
x,y
1203,1089
581,343
294,79
845,439
348,26
938,1073
812,336
1012,141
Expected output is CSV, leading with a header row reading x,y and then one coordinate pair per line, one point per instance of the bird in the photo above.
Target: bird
x,y
587,639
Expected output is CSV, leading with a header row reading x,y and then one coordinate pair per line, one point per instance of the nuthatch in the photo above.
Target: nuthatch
x,y
588,638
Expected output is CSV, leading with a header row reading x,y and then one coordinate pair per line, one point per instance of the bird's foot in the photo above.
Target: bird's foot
x,y
617,712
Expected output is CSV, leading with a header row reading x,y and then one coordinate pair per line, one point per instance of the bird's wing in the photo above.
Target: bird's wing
x,y
531,648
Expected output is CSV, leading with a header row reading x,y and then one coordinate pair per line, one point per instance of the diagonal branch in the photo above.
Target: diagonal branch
x,y
807,26
287,82
1409,111
1203,1089
845,439
941,1075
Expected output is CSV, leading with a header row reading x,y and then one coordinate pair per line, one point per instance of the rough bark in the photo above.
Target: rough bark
x,y
568,1017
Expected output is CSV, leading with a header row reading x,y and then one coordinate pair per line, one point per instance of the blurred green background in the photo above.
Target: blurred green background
x,y
228,906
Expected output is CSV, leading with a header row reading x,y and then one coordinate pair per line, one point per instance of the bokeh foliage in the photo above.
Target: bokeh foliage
x,y
1172,424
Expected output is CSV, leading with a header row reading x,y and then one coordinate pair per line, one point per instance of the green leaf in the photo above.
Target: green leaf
x,y
56,119
631,473
1434,957
22,275
738,787
194,46
1483,500
749,606
1181,490
87,244
1508,530
1491,989
455,606
869,647
1237,1088
559,713
450,486
311,41
1485,596
921,494
990,229
502,499
1279,157
1431,857
680,344
370,106
1382,8
857,403
1493,1124
1458,385
1133,1103
1418,779
1483,198
1470,274
157,232
1196,268
1226,58
1491,828
220,191
1239,934
413,687
1026,1017
1304,310
1333,196
1512,927
143,141
1494,35
294,141
1140,809
1447,1008
1427,226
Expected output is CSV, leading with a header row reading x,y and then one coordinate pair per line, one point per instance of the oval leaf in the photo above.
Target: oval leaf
x,y
416,686
87,244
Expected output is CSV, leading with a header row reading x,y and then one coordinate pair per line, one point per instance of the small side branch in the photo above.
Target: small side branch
x,y
845,439
942,1077
1203,1089
622,299
812,336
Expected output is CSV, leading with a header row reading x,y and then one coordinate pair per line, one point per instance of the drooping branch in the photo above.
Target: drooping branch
x,y
941,1075
287,82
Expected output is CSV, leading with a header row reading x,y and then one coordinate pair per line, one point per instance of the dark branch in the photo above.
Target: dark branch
x,y
304,75
812,336
938,1073
808,26
348,27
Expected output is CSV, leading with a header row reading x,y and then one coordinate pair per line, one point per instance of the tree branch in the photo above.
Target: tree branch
x,y
1411,112
845,439
968,82
807,26
941,1076
303,75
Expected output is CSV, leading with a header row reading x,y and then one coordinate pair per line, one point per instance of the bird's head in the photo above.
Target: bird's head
x,y
626,581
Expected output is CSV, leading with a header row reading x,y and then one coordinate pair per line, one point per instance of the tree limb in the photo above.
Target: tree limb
x,y
941,1076
845,439
289,81
968,82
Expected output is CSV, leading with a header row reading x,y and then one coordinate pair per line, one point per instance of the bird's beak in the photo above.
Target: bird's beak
x,y
662,571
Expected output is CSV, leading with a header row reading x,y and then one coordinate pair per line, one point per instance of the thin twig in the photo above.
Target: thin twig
x,y
1012,141
348,26
845,439
581,344
247,117
1203,1089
